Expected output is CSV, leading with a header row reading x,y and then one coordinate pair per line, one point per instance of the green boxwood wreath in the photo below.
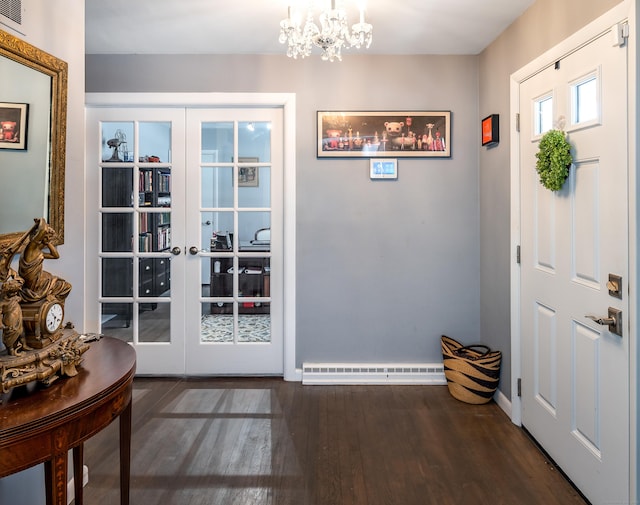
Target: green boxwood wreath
x,y
554,159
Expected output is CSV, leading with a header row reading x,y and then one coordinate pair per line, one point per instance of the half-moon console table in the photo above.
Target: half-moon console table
x,y
43,425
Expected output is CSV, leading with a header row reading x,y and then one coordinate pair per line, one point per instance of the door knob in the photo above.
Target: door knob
x,y
176,251
613,320
193,250
604,321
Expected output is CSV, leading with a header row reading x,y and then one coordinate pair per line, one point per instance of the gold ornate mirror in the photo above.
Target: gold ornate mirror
x,y
33,175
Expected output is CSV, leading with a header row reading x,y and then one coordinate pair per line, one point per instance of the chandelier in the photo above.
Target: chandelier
x,y
332,34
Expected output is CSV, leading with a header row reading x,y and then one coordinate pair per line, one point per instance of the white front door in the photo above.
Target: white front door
x,y
234,309
575,372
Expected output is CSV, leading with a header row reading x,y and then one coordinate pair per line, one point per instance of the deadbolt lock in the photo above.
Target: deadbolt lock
x,y
614,285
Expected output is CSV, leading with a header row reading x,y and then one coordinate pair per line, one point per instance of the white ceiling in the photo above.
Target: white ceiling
x,y
251,26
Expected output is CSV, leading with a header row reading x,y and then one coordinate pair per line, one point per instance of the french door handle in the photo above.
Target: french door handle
x,y
176,251
193,250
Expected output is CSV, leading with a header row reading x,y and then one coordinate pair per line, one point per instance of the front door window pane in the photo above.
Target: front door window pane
x,y
543,115
585,100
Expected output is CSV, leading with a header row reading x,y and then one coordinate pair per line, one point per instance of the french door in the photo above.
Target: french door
x,y
234,221
188,236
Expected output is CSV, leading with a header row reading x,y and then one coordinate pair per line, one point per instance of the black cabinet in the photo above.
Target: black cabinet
x,y
254,281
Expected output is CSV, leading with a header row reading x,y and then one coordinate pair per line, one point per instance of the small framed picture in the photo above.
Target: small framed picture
x,y
491,130
13,125
386,168
248,175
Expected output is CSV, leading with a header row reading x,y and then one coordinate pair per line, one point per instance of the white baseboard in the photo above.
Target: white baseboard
x,y
373,373
503,402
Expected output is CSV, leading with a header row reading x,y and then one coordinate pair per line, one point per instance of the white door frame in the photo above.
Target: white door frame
x,y
626,10
256,100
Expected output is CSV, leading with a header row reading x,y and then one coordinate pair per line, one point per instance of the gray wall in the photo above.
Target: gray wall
x,y
58,28
544,25
383,268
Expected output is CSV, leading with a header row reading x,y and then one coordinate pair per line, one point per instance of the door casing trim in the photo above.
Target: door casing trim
x,y
287,101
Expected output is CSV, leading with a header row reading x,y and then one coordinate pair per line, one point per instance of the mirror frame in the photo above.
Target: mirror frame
x,y
30,56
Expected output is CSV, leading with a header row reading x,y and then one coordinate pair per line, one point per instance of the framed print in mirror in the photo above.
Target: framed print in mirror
x,y
13,125
397,134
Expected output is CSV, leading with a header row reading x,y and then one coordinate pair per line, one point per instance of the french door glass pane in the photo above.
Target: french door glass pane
x,y
216,323
254,188
117,141
217,138
117,186
155,142
250,223
254,140
154,322
116,320
117,277
217,187
117,232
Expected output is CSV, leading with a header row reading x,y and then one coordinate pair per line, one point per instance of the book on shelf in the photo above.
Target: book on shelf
x,y
164,182
163,237
144,222
144,242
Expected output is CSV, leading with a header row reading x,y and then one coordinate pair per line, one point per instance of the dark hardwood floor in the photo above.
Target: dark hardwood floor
x,y
266,441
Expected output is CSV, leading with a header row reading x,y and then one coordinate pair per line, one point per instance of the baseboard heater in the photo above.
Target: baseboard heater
x,y
372,373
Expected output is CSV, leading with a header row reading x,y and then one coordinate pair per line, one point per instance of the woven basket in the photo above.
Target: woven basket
x,y
472,372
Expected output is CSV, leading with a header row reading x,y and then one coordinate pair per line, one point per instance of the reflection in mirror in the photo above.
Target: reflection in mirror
x,y
33,178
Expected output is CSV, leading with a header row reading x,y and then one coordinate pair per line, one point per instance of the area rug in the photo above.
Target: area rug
x,y
251,328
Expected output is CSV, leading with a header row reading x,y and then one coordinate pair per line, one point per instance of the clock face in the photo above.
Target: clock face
x,y
53,317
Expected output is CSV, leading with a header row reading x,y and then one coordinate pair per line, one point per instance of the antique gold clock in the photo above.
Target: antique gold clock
x,y
42,321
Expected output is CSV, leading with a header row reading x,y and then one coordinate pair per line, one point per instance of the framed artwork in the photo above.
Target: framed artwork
x,y
247,175
383,168
491,130
396,134
13,125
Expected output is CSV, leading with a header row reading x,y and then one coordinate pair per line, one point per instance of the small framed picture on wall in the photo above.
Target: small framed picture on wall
x,y
491,130
383,168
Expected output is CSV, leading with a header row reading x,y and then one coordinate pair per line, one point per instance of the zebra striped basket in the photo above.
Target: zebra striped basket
x,y
472,371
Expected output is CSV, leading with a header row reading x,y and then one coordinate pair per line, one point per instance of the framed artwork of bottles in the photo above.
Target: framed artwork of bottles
x,y
398,134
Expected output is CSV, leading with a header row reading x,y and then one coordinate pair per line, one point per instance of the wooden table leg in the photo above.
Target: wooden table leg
x,y
125,454
78,474
55,479
49,488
